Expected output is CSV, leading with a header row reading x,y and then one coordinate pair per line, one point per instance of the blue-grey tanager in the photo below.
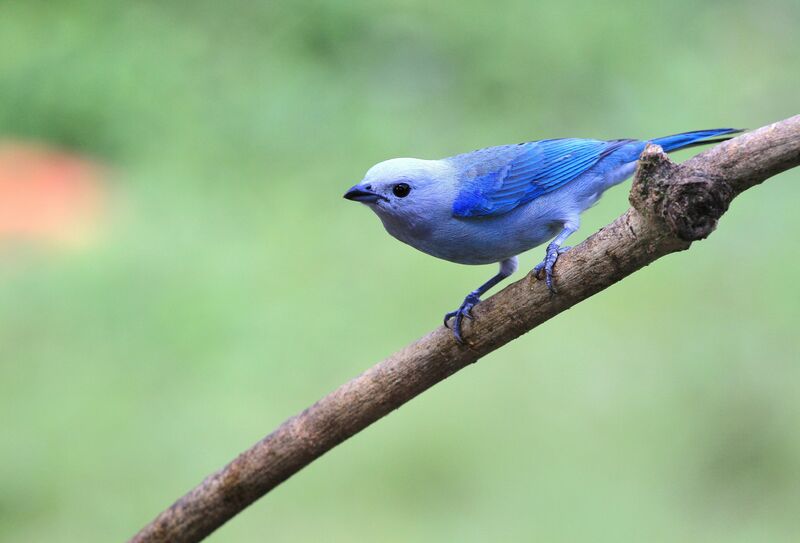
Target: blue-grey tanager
x,y
492,204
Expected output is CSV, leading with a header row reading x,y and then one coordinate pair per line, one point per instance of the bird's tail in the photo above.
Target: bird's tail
x,y
698,137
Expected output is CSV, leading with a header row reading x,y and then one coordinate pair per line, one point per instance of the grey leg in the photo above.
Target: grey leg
x,y
507,267
554,249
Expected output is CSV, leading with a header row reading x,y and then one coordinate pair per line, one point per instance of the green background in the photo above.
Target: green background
x,y
232,286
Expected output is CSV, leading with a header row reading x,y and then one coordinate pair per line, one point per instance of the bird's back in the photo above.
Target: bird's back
x,y
482,161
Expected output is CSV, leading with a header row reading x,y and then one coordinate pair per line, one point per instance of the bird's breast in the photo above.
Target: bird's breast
x,y
483,240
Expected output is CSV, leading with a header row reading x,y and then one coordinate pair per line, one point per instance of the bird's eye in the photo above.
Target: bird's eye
x,y
401,190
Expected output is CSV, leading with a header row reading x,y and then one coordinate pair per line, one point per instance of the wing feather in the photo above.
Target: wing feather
x,y
535,169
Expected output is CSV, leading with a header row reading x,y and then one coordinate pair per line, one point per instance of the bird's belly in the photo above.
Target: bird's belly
x,y
485,241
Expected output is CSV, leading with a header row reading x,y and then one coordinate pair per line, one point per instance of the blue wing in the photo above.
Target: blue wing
x,y
526,172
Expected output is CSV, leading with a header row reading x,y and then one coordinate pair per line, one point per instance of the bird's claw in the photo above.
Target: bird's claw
x,y
547,264
463,312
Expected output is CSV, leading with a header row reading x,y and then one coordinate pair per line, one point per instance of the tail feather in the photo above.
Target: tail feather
x,y
690,139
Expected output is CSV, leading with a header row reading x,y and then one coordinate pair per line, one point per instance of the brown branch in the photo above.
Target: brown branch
x,y
672,205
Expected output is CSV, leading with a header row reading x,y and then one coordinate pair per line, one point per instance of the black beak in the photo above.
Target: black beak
x,y
363,194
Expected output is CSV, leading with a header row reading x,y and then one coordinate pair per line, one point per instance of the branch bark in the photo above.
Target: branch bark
x,y
672,205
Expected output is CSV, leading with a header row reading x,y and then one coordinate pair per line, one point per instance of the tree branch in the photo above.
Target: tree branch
x,y
672,205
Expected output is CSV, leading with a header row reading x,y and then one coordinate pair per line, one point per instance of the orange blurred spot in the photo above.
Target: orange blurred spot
x,y
48,195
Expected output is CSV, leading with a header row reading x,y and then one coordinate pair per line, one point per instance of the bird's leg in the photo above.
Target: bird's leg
x,y
507,267
554,249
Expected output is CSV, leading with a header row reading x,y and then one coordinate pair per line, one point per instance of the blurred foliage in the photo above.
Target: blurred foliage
x,y
231,286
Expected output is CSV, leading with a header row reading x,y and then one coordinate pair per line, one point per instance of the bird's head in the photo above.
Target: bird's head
x,y
406,190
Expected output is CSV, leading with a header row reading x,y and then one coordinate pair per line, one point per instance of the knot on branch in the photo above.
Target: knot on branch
x,y
688,202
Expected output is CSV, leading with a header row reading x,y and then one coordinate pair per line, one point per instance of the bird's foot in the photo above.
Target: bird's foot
x,y
547,264
463,312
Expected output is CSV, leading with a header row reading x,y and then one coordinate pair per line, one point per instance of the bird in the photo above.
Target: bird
x,y
489,205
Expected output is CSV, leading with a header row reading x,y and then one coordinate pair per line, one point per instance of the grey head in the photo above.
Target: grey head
x,y
408,194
